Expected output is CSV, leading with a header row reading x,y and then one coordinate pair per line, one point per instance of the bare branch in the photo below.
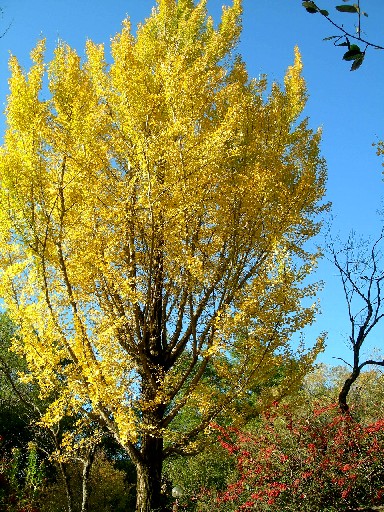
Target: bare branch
x,y
344,361
361,276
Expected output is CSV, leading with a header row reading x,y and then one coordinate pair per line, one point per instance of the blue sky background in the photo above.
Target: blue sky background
x,y
348,105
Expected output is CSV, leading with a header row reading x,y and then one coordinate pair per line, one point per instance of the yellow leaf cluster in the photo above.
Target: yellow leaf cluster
x,y
155,213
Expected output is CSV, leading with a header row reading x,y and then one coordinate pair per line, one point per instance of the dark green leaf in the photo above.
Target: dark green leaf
x,y
346,8
342,44
353,53
365,14
350,56
357,62
324,12
330,37
311,7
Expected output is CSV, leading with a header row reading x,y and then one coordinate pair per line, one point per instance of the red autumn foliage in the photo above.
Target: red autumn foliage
x,y
322,461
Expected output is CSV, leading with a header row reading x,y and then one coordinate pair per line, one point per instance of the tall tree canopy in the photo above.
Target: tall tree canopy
x,y
154,225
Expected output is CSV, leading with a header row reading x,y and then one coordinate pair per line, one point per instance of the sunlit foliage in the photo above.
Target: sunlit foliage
x,y
154,226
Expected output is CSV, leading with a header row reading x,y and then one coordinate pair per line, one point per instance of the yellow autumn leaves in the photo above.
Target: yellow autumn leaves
x,y
155,214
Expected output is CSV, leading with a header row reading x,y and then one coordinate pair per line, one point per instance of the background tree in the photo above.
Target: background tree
x,y
21,466
67,450
362,276
16,414
155,215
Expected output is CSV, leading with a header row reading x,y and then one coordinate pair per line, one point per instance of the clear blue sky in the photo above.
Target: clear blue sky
x,y
349,106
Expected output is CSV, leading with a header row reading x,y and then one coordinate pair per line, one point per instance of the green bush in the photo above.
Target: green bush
x,y
21,481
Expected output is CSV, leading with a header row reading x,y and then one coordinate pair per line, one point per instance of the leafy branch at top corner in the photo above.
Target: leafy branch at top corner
x,y
354,53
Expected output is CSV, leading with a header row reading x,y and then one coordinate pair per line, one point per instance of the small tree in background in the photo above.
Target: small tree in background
x,y
67,448
362,276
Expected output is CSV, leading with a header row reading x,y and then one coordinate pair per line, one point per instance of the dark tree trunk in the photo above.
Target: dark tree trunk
x,y
149,469
150,462
343,395
346,389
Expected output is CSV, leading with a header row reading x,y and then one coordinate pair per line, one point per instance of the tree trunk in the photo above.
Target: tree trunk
x,y
149,469
343,395
87,466
67,484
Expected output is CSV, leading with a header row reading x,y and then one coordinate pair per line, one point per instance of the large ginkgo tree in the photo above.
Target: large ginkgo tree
x,y
156,208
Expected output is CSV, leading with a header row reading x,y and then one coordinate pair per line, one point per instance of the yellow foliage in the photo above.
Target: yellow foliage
x,y
154,223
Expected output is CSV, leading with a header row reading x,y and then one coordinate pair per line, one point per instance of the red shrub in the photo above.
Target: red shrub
x,y
325,461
